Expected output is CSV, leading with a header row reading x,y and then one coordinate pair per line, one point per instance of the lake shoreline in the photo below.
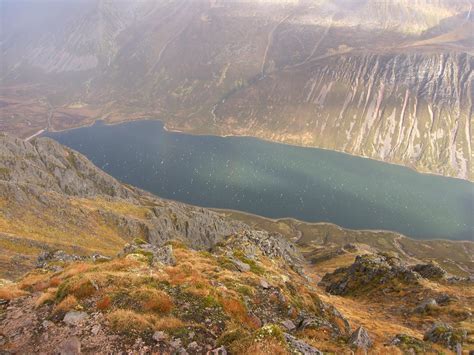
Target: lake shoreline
x,y
275,180
172,130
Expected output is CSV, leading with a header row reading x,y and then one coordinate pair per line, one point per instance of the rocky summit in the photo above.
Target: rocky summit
x,y
91,265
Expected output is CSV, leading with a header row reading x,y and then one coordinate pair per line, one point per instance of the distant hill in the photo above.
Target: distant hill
x,y
391,80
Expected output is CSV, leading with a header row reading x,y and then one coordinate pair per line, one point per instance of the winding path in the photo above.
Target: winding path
x,y
270,42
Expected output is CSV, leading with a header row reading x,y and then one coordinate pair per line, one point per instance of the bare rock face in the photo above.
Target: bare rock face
x,y
45,164
272,245
389,106
197,227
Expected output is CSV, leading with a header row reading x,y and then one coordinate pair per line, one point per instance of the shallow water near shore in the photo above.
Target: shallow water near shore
x,y
276,180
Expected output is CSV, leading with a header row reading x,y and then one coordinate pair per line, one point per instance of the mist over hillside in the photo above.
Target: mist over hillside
x,y
391,80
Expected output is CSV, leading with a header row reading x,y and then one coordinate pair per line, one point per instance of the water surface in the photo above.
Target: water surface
x,y
277,180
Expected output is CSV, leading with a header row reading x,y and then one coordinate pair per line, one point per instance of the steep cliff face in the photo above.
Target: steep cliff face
x,y
46,165
408,108
390,80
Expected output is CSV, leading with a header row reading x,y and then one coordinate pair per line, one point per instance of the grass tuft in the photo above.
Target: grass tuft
x,y
67,304
129,322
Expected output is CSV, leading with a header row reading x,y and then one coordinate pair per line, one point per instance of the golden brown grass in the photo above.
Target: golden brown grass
x,y
82,288
11,292
61,226
153,300
167,323
127,321
192,274
54,281
370,315
235,309
264,347
46,297
120,264
19,244
34,282
66,305
117,206
76,269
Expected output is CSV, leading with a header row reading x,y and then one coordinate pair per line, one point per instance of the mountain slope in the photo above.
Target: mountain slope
x,y
171,277
53,197
390,80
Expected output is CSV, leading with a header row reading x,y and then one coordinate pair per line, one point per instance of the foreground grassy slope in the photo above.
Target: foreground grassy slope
x,y
201,300
201,293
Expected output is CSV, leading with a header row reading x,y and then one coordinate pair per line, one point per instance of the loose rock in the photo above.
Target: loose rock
x,y
241,266
264,284
71,346
289,325
360,338
426,305
300,347
74,318
160,336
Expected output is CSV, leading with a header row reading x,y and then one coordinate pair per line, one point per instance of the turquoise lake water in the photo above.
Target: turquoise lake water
x,y
277,180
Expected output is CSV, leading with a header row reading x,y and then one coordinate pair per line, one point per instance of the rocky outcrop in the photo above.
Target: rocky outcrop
x,y
197,227
272,245
431,271
56,184
155,255
408,343
151,299
426,306
368,272
48,257
446,335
